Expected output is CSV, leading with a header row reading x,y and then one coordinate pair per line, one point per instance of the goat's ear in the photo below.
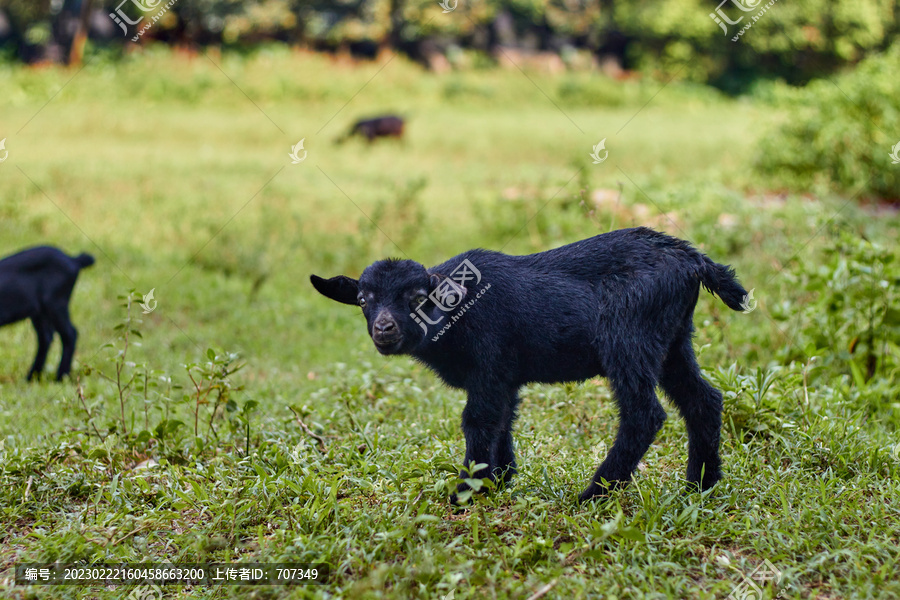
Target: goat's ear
x,y
341,288
455,288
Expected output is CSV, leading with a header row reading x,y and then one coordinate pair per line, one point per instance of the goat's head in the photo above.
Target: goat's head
x,y
395,299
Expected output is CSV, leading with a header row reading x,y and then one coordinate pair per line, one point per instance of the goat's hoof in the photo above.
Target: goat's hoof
x,y
504,476
457,506
698,481
696,486
461,506
602,490
593,493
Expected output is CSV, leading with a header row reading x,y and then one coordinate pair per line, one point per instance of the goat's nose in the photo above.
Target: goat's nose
x,y
385,326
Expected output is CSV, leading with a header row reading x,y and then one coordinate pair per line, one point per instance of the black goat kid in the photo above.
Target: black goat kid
x,y
618,305
37,284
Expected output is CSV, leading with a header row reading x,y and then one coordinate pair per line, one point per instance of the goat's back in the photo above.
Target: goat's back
x,y
635,251
35,277
41,259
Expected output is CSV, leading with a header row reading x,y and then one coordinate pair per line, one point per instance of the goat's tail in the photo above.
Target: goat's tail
x,y
722,281
84,260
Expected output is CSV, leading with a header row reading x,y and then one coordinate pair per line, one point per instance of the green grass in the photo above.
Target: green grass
x,y
158,166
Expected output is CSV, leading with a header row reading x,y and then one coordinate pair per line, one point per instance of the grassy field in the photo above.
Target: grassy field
x,y
173,170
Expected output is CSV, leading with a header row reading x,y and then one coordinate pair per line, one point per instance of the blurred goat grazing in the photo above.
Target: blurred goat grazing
x,y
37,284
386,126
618,305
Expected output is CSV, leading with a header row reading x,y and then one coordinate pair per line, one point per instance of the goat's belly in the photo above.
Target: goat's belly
x,y
575,363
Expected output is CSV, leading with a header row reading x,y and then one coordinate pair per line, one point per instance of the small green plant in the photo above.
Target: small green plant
x,y
127,374
211,387
142,393
752,406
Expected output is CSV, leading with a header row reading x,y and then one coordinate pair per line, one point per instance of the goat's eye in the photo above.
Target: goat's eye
x,y
419,299
362,302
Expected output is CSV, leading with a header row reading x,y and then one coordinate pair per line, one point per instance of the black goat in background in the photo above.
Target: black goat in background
x,y
385,126
37,284
618,305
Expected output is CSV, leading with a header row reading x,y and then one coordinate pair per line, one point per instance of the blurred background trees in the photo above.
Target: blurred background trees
x,y
793,41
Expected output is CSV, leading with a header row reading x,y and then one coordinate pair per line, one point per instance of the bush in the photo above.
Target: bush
x,y
851,322
840,132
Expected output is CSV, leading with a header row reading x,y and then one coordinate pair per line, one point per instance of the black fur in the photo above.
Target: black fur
x,y
37,284
386,126
618,305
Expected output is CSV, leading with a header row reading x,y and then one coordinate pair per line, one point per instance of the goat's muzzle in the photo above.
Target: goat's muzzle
x,y
385,333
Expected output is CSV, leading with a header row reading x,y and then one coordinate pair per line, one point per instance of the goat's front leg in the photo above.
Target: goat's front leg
x,y
487,426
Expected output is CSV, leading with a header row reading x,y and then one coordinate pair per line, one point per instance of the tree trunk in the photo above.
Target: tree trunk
x,y
76,51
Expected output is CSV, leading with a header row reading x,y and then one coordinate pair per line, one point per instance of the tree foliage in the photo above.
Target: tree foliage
x,y
794,41
841,133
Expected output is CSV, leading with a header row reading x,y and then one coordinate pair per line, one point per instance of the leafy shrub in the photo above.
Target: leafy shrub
x,y
840,133
854,311
850,322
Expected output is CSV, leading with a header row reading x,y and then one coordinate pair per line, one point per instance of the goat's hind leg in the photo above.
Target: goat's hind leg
x,y
640,418
503,454
701,406
44,330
